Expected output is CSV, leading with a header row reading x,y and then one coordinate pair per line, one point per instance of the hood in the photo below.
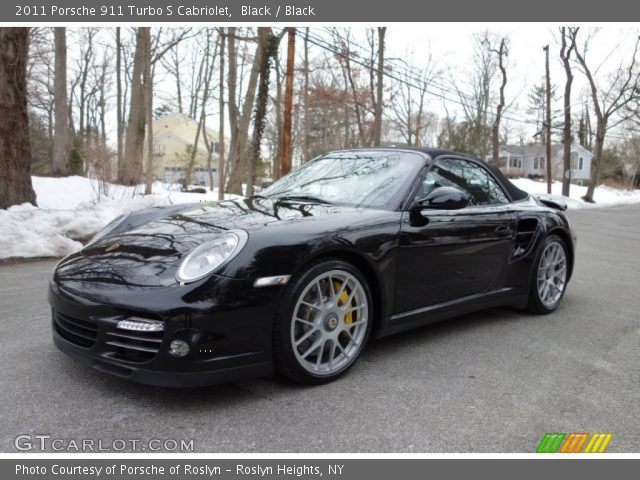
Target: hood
x,y
147,248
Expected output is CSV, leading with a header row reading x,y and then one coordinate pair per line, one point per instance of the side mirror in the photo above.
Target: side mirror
x,y
445,198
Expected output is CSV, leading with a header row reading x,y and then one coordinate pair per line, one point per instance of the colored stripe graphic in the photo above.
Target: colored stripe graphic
x,y
574,442
550,442
598,443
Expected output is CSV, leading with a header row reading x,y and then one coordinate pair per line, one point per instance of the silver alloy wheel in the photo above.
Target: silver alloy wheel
x,y
329,322
552,274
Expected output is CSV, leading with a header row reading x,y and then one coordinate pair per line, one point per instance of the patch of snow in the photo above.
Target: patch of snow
x,y
603,196
73,209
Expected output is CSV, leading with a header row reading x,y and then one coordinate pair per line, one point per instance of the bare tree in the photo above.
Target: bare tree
x,y
268,44
221,149
40,84
119,101
377,118
609,100
59,164
568,45
361,97
15,150
477,95
207,68
85,64
305,96
134,139
148,102
239,121
409,101
502,52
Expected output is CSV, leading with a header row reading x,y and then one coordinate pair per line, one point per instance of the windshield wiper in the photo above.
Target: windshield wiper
x,y
304,198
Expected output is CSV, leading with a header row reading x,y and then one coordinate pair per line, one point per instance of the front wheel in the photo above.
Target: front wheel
x,y
549,276
323,324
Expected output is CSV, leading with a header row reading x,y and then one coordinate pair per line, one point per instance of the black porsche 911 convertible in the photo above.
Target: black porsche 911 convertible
x,y
354,244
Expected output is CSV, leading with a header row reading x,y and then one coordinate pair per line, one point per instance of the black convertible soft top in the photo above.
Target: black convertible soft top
x,y
514,192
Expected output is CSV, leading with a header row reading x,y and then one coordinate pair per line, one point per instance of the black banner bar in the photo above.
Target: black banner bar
x,y
310,11
342,469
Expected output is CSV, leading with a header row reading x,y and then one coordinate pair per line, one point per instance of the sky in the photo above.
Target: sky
x,y
450,46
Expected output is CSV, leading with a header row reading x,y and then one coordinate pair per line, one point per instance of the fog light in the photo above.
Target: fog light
x,y
179,348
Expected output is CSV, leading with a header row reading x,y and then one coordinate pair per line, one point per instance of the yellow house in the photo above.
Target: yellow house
x,y
173,140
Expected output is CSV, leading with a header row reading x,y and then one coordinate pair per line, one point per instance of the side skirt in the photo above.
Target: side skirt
x,y
453,308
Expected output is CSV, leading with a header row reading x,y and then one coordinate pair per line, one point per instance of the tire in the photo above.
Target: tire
x,y
317,337
549,276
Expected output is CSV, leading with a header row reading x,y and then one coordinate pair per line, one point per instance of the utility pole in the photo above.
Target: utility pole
x,y
548,118
288,103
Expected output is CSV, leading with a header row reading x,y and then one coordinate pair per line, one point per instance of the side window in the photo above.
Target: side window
x,y
465,176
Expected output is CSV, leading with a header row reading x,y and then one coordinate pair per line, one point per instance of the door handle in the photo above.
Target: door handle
x,y
503,229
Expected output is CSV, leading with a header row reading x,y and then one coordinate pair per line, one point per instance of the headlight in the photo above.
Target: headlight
x,y
109,228
211,255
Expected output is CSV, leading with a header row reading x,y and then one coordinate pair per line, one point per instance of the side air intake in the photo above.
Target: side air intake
x,y
525,234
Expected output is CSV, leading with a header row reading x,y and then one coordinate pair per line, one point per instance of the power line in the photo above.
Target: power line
x,y
420,83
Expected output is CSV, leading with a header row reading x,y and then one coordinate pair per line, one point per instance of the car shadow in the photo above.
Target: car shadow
x,y
242,391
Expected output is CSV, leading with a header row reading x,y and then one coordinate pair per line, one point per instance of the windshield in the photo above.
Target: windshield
x,y
369,179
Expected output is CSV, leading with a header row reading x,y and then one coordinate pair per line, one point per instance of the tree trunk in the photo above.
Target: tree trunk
x,y
596,161
239,146
232,82
207,68
377,121
148,101
305,96
548,120
15,149
495,128
268,44
276,171
60,159
565,56
119,120
134,140
288,103
221,121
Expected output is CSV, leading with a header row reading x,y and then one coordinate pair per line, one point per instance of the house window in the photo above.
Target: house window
x,y
216,147
515,162
580,163
539,163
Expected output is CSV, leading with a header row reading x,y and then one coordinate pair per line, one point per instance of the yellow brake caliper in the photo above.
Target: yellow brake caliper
x,y
348,317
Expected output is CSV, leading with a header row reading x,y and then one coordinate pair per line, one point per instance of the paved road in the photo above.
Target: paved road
x,y
490,382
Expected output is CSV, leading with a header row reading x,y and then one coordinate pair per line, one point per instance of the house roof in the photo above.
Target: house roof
x,y
528,150
537,149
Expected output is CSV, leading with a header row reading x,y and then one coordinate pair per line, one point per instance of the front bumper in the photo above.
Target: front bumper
x,y
228,340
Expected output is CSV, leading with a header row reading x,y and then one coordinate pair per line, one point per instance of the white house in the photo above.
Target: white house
x,y
530,160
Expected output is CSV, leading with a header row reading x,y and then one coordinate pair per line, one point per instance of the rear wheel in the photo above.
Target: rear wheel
x,y
323,323
549,276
